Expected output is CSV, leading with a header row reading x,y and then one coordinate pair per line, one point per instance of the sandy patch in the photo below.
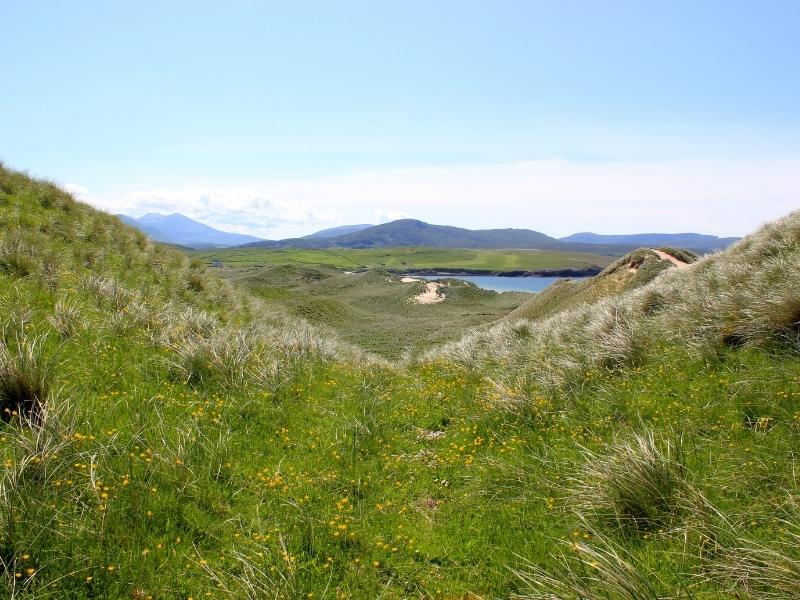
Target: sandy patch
x,y
431,294
409,280
664,256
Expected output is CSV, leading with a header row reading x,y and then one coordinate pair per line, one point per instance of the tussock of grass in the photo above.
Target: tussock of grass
x,y
197,323
16,258
108,291
592,570
758,570
635,485
195,281
224,357
66,318
26,376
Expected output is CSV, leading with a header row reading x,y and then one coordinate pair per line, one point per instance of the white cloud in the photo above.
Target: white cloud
x,y
384,216
79,191
242,210
726,197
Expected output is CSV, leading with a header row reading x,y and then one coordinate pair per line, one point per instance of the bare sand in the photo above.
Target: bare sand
x,y
431,294
664,256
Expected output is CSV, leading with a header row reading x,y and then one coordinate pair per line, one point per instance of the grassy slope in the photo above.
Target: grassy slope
x,y
408,259
156,475
726,509
629,272
372,309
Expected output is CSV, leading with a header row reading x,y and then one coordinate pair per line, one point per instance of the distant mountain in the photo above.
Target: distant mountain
x,y
692,241
179,229
337,231
149,230
410,232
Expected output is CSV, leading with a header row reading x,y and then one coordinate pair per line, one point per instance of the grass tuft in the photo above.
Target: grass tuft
x,y
635,485
591,571
66,318
762,572
16,258
225,358
26,377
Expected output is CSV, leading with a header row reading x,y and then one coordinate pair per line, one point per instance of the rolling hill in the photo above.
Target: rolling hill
x,y
411,232
404,233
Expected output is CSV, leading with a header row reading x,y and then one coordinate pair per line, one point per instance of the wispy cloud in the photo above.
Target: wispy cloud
x,y
244,210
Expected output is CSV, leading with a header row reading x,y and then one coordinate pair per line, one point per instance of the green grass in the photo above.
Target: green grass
x,y
583,457
374,309
409,259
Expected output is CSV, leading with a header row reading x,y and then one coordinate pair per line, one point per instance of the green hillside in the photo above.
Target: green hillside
x,y
169,435
409,259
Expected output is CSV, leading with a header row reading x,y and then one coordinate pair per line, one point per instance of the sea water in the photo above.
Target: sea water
x,y
501,284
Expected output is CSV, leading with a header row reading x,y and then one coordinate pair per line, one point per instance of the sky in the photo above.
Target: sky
x,y
281,118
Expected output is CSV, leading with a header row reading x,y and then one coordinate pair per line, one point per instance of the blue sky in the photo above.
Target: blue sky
x,y
278,118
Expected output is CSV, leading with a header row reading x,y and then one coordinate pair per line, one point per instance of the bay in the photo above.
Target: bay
x,y
500,284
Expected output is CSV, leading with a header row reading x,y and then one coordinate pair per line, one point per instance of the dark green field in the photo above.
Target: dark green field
x,y
409,259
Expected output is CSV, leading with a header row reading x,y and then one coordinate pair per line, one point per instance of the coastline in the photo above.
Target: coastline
x,y
586,272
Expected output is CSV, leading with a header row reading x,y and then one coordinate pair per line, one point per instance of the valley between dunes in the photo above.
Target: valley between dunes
x,y
274,430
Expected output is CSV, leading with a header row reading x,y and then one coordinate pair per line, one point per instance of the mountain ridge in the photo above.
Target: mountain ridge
x,y
336,231
413,232
693,241
176,228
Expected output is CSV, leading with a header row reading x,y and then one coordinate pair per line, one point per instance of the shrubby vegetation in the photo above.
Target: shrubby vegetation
x,y
169,436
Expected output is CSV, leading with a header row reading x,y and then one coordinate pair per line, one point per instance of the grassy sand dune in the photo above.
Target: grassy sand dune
x,y
629,272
